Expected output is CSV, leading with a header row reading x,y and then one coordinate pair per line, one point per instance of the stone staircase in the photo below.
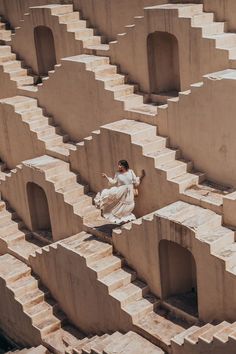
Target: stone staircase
x,y
5,35
36,304
73,195
129,343
214,241
120,282
34,350
212,34
13,67
41,127
212,339
116,84
191,186
24,288
50,324
78,27
15,238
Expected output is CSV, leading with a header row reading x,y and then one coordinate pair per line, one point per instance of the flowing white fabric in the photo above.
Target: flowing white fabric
x,y
117,202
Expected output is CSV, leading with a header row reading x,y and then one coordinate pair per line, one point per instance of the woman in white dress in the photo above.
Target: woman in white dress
x,y
117,203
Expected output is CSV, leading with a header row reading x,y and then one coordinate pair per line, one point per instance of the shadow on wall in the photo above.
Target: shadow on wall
x,y
45,49
163,63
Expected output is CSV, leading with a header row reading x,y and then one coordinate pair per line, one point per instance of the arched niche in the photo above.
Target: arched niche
x,y
163,64
38,207
178,276
45,49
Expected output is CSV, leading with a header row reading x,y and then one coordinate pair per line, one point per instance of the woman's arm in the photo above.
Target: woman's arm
x,y
112,181
138,180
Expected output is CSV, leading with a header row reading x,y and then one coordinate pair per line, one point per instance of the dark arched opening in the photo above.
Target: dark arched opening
x,y
163,62
45,49
39,210
178,277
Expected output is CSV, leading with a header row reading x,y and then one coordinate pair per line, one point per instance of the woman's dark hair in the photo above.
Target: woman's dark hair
x,y
124,163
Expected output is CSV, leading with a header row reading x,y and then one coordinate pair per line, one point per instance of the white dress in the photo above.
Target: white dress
x,y
117,203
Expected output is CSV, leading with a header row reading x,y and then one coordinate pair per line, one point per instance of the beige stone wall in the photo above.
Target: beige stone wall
x,y
101,154
14,10
23,42
197,56
81,296
78,102
13,321
8,87
110,16
224,10
17,142
63,220
202,124
140,247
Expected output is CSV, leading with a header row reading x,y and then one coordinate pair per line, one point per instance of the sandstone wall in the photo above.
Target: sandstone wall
x,y
202,124
63,220
13,321
81,296
17,142
141,248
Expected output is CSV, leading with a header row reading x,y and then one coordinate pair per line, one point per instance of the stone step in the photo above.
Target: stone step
x,y
47,324
130,100
227,254
31,298
16,72
217,237
59,9
151,144
74,25
22,249
6,57
93,40
97,346
193,337
130,292
92,249
12,65
226,40
23,285
131,343
122,90
23,80
53,139
79,203
163,155
83,33
140,308
5,49
185,181
112,80
158,329
105,70
39,311
223,335
202,19
207,336
118,278
175,168
213,28
106,265
178,340
68,17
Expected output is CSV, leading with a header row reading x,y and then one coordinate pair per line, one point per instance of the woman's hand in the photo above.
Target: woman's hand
x,y
104,175
143,174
